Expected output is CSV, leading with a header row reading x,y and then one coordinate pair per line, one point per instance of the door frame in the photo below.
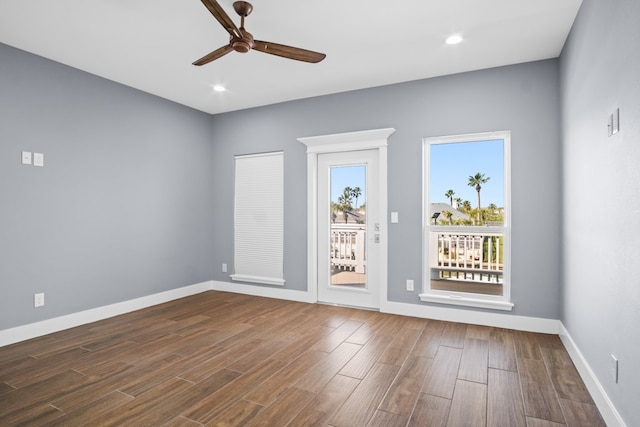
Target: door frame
x,y
376,139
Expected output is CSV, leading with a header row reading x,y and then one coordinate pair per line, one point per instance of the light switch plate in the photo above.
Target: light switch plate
x,y
394,217
38,159
26,157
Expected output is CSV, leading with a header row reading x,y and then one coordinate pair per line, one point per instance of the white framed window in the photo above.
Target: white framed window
x,y
259,219
466,220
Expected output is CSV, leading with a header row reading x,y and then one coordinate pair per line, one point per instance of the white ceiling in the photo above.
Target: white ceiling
x,y
150,44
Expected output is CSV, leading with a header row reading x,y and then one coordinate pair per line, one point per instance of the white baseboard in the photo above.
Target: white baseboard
x,y
33,330
263,291
600,397
523,323
498,320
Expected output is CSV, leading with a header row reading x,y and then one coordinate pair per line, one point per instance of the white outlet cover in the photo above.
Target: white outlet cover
x,y
614,368
38,159
38,300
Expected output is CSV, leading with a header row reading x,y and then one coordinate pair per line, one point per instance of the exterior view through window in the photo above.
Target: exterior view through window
x,y
466,218
348,226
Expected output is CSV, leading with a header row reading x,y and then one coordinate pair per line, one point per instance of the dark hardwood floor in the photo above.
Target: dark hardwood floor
x,y
222,359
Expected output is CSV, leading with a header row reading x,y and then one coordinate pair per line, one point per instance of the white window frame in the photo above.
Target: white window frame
x,y
259,219
502,302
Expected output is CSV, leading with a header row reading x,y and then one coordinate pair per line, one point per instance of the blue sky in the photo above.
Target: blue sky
x,y
450,167
452,164
348,176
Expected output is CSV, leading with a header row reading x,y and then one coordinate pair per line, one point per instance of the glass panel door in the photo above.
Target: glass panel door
x,y
348,228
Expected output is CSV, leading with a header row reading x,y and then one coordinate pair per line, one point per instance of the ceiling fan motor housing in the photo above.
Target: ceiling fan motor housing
x,y
242,44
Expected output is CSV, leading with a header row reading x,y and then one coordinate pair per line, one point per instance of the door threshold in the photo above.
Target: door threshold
x,y
348,306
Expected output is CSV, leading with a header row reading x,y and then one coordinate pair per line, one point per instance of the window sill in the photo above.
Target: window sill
x,y
457,299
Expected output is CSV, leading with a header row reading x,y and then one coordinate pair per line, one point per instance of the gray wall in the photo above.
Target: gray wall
x,y
136,195
600,71
522,98
122,207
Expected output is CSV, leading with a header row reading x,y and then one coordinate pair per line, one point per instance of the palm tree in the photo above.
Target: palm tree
x,y
344,203
466,206
449,195
347,190
447,215
355,193
334,208
475,181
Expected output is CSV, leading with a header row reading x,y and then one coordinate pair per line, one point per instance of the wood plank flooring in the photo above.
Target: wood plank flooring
x,y
223,359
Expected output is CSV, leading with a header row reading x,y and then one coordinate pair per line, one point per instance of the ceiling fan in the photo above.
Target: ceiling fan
x,y
242,41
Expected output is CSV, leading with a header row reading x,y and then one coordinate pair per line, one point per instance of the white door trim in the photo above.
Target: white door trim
x,y
351,141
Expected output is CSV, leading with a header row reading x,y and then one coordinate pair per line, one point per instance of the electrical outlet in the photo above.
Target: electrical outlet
x,y
614,368
409,285
38,300
224,268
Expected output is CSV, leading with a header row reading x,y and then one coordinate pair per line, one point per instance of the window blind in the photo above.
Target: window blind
x,y
259,219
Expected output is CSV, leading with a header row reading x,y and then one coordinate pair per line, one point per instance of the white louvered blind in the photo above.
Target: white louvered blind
x,y
259,219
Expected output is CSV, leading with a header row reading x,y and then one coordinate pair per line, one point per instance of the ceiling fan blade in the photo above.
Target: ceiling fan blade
x,y
218,12
214,55
288,51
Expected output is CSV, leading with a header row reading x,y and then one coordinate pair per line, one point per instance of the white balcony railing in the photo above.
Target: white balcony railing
x,y
348,247
473,256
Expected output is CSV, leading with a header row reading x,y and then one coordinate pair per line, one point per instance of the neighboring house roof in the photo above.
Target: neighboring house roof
x,y
440,207
353,216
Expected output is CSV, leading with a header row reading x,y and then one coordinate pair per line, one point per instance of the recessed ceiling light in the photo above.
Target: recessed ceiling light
x,y
219,88
454,39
